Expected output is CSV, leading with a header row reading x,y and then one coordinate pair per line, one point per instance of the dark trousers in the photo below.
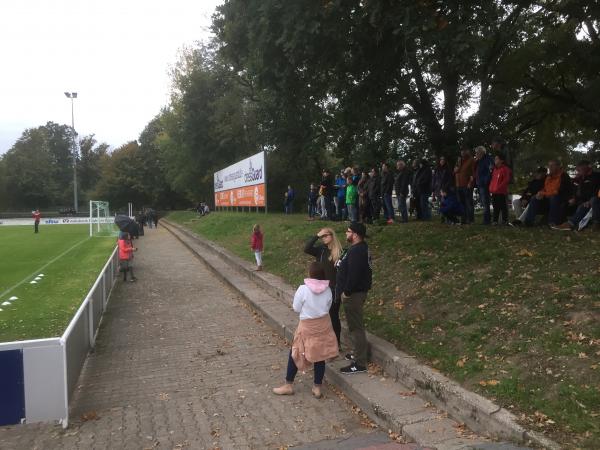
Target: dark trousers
x,y
450,217
424,206
553,205
375,207
484,196
292,370
388,207
500,206
596,210
402,208
465,197
334,314
353,306
36,226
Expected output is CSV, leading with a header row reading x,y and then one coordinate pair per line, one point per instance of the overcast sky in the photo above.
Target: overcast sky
x,y
114,54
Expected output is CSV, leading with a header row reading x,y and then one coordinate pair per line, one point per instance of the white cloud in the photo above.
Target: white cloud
x,y
114,54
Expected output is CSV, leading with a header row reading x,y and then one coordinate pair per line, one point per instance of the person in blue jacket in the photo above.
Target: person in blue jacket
x,y
340,196
450,208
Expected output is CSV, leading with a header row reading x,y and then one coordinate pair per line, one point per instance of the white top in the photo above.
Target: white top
x,y
313,299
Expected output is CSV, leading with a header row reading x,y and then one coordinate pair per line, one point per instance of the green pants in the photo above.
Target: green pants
x,y
353,306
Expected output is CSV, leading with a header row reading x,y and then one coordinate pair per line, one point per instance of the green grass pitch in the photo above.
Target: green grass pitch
x,y
69,260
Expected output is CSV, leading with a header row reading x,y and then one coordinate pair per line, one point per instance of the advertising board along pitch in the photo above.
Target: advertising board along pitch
x,y
242,183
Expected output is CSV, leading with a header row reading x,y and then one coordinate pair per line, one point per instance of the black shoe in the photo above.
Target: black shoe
x,y
349,357
353,368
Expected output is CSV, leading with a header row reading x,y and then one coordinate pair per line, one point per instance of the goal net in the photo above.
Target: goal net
x,y
101,224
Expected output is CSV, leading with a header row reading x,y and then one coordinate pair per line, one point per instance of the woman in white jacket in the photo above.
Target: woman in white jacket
x,y
314,339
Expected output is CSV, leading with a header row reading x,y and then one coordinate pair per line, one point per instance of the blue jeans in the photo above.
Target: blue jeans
x,y
552,204
425,209
484,195
402,208
288,208
465,197
352,213
580,213
596,210
388,207
292,370
312,209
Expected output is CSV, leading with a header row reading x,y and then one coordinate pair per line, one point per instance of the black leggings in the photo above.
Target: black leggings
x,y
292,370
500,205
334,314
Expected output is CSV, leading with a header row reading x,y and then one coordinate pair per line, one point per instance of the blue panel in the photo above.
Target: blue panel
x,y
12,387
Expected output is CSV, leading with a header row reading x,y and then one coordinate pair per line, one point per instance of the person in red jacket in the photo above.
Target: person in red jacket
x,y
256,244
126,250
499,189
37,215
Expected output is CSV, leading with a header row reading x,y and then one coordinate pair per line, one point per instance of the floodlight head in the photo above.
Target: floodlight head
x,y
74,94
68,94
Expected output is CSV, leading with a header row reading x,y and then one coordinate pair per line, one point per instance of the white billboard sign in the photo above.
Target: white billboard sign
x,y
248,172
57,221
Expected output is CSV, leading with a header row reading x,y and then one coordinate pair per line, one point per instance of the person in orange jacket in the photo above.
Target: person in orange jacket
x,y
552,198
499,189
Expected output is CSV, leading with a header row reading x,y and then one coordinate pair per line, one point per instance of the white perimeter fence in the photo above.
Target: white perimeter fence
x,y
38,376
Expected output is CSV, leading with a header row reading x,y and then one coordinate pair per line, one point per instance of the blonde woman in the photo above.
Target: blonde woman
x,y
328,252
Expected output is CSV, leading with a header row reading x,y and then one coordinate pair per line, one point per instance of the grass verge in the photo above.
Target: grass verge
x,y
513,314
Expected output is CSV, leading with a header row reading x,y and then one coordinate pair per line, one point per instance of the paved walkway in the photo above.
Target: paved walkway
x,y
181,362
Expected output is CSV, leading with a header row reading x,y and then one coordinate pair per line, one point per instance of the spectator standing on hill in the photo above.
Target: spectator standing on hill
x,y
415,207
464,184
552,198
289,196
313,196
374,189
499,189
587,184
364,207
327,192
340,196
353,282
535,184
351,200
37,216
328,253
387,187
257,245
314,341
484,165
423,181
401,187
442,177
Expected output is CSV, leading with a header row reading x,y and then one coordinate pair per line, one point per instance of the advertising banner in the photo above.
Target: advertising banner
x,y
57,221
242,184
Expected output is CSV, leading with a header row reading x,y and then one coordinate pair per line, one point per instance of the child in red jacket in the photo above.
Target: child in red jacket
x,y
256,244
126,250
499,189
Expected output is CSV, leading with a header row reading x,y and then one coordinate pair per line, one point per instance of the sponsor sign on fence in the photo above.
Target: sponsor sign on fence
x,y
243,183
57,221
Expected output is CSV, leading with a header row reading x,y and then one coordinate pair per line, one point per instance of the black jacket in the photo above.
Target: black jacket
x,y
354,273
401,182
321,254
387,183
443,178
533,187
423,180
327,183
586,188
374,187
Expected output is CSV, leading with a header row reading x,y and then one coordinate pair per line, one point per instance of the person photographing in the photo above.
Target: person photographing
x,y
353,282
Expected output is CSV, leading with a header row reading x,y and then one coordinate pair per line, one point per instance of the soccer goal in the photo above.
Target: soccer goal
x,y
101,224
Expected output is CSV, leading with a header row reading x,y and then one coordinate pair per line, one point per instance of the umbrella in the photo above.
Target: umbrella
x,y
126,223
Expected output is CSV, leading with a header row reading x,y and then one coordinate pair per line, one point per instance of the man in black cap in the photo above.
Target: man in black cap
x,y
352,284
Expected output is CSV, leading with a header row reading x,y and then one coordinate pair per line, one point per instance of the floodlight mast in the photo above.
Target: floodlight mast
x,y
72,96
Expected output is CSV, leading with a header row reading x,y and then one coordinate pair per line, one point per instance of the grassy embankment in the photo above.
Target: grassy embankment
x,y
511,313
44,309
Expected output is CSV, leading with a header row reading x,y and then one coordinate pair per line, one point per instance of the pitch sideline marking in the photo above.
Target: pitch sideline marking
x,y
42,268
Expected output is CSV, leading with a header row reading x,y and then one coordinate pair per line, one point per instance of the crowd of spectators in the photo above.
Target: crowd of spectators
x,y
478,179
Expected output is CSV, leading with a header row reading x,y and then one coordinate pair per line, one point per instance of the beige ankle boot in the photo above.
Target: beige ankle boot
x,y
286,389
316,391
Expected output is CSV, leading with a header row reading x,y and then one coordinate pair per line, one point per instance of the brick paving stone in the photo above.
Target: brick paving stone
x,y
181,362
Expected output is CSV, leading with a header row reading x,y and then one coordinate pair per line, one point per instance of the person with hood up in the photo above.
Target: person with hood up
x,y
314,340
450,207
